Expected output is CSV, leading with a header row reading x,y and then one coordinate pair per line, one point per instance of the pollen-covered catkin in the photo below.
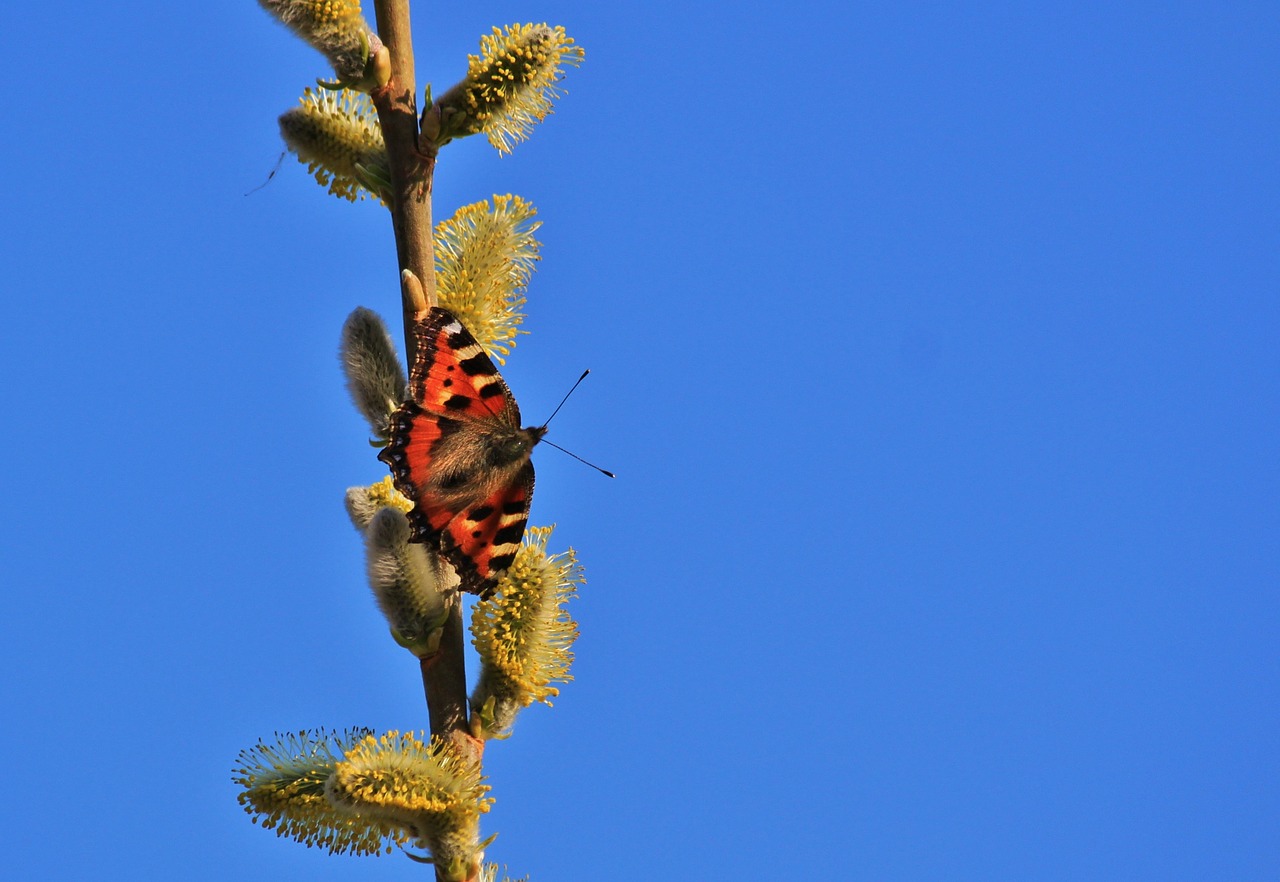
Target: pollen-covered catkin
x,y
485,255
334,27
337,136
524,635
509,87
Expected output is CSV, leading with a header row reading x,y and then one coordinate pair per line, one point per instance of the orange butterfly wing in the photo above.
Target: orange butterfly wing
x,y
460,404
452,375
482,542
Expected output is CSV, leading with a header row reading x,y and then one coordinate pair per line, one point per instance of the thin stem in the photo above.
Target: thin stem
x,y
445,672
411,169
444,677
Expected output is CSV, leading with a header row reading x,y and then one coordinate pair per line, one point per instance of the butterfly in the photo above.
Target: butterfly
x,y
457,451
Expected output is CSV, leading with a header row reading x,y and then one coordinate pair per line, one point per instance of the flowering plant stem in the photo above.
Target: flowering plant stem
x,y
444,674
411,168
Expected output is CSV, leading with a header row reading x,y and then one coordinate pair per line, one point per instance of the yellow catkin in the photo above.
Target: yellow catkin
x,y
402,780
384,494
485,255
523,633
284,790
511,84
335,134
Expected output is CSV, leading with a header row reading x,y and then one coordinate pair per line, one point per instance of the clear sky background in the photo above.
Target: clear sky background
x,y
935,348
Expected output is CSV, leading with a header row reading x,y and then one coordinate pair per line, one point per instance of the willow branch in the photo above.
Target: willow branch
x,y
411,169
444,676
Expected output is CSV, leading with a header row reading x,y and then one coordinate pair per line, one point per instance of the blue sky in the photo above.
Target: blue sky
x,y
934,345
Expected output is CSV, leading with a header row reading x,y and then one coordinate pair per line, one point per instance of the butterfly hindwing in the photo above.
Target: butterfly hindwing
x,y
482,541
458,453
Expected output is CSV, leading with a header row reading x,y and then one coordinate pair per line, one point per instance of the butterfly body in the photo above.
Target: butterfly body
x,y
458,452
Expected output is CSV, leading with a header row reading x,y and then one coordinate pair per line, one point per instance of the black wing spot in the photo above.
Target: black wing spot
x,y
479,514
447,383
491,390
516,507
457,402
477,365
508,534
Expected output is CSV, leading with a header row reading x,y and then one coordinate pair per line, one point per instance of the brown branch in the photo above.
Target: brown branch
x,y
444,676
411,169
445,673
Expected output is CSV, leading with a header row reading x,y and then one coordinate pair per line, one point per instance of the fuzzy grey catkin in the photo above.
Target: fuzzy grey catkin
x,y
405,581
375,377
498,702
360,507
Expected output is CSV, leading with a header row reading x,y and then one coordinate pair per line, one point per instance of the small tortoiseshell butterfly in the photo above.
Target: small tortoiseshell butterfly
x,y
459,454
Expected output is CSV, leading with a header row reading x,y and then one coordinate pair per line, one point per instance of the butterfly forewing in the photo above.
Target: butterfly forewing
x,y
452,374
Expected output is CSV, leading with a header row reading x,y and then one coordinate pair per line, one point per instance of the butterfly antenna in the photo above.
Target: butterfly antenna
x,y
561,449
561,404
270,176
578,458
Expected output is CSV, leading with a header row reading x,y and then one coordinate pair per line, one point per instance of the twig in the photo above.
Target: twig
x,y
444,676
411,169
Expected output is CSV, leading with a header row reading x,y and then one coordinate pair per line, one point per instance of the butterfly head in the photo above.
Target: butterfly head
x,y
512,446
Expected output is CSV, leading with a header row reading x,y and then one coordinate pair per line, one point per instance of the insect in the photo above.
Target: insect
x,y
457,451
